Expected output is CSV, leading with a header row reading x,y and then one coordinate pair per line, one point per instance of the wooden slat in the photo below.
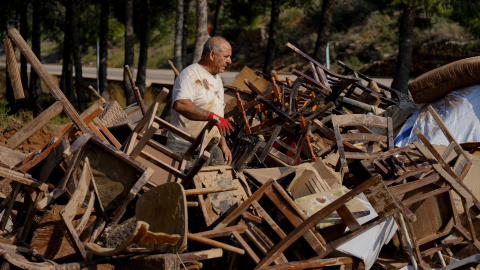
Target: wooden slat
x,y
269,219
425,196
245,246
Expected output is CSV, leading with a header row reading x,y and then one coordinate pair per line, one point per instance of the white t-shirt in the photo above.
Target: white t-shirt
x,y
206,91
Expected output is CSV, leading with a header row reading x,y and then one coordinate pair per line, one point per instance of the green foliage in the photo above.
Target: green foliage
x,y
466,13
346,14
241,15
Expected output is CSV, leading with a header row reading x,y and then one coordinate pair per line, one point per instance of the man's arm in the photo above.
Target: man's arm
x,y
227,155
190,111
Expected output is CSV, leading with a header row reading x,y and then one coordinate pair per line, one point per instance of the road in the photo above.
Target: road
x,y
164,76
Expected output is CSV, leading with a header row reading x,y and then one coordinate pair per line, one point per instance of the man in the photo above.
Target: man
x,y
197,96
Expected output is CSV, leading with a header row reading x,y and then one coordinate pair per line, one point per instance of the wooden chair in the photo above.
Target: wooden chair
x,y
33,189
354,129
279,231
426,200
119,178
141,147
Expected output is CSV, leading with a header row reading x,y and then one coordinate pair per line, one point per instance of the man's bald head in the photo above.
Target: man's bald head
x,y
215,44
216,55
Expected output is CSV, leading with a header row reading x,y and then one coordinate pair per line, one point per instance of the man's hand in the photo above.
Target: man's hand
x,y
227,155
223,125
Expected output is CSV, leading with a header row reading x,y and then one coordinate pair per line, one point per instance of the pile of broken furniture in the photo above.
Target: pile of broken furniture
x,y
316,182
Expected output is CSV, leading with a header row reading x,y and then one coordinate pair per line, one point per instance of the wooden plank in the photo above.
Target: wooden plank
x,y
47,79
33,126
13,70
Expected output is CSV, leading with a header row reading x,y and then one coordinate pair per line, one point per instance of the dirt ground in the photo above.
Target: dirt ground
x,y
36,141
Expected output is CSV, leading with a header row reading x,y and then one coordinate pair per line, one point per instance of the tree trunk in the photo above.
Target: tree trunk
x,y
186,15
143,57
272,37
66,82
323,31
35,88
404,58
201,33
24,34
216,19
129,53
177,54
102,72
82,104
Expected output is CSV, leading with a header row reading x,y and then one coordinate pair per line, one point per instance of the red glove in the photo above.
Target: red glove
x,y
223,125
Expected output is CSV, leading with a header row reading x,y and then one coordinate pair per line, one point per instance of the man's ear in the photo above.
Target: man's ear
x,y
211,55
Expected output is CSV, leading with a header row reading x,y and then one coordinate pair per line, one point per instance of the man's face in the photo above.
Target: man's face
x,y
222,59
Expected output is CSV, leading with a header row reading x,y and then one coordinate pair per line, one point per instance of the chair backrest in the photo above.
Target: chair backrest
x,y
354,129
167,200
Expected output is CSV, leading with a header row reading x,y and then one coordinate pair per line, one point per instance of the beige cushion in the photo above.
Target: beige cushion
x,y
437,82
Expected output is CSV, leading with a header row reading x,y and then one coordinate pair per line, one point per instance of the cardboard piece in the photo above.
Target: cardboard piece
x,y
311,204
471,182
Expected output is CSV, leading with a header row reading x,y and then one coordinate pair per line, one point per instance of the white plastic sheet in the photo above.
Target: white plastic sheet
x,y
460,112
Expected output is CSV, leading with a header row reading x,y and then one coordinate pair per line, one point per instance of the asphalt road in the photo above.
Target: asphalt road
x,y
164,76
